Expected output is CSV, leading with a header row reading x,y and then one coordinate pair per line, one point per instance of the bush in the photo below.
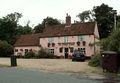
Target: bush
x,y
6,50
112,42
43,53
95,60
30,54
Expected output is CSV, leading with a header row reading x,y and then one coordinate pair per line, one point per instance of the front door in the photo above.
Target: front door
x,y
66,52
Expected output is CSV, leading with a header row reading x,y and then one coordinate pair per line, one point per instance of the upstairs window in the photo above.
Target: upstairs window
x,y
81,38
66,39
50,40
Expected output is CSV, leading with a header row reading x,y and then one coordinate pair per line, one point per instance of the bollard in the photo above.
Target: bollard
x,y
13,61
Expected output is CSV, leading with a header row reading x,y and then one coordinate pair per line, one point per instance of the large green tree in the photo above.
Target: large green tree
x,y
6,49
49,21
22,30
104,15
112,42
39,28
85,16
8,26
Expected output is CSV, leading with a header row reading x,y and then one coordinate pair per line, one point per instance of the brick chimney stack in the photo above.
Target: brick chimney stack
x,y
68,21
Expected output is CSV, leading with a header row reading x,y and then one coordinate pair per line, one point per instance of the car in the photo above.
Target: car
x,y
78,56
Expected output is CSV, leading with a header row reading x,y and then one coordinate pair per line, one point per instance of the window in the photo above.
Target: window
x,y
16,50
81,38
21,49
51,51
50,40
82,50
60,50
71,49
26,50
65,39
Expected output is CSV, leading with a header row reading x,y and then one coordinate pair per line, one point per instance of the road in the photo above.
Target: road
x,y
15,75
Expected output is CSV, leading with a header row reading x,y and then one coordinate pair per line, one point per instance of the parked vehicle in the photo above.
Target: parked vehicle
x,y
78,56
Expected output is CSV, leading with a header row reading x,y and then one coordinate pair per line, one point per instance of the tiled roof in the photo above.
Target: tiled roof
x,y
55,31
28,40
75,29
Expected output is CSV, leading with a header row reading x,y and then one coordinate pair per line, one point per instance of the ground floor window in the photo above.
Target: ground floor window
x,y
82,50
26,50
71,49
21,49
16,50
51,51
61,50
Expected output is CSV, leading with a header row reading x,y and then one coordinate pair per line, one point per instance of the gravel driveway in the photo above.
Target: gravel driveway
x,y
61,65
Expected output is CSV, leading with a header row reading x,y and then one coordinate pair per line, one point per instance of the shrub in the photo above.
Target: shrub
x,y
95,60
49,55
112,42
6,49
43,53
30,54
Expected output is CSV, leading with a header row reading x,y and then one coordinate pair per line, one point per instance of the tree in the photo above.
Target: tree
x,y
112,42
85,16
6,49
39,28
8,26
49,21
104,15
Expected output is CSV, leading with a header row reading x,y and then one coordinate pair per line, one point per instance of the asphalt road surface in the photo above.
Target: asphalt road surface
x,y
15,75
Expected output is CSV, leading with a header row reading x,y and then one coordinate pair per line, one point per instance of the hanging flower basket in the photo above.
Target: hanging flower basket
x,y
90,44
84,43
78,43
48,44
53,44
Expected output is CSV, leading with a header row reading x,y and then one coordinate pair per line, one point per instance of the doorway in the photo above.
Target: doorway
x,y
66,52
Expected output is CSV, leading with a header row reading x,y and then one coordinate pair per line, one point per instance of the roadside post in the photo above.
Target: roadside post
x,y
13,60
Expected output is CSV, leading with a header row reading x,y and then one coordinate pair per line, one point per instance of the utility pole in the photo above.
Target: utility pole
x,y
115,20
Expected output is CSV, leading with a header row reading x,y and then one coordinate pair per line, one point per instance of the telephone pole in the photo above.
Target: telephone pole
x,y
115,20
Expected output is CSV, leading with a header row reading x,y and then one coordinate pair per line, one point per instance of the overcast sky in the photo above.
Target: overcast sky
x,y
37,10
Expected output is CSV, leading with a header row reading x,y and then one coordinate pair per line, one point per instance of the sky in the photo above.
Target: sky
x,y
36,10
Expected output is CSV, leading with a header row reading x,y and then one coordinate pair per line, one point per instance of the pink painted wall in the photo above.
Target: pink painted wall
x,y
34,49
88,38
90,50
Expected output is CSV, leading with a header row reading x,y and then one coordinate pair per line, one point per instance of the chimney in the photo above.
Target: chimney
x,y
68,21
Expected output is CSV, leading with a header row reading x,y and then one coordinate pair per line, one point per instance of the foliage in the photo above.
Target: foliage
x,y
22,30
49,21
112,42
105,18
30,54
8,25
95,60
6,49
43,53
39,28
85,15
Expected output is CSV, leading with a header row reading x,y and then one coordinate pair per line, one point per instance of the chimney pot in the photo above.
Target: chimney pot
x,y
68,21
